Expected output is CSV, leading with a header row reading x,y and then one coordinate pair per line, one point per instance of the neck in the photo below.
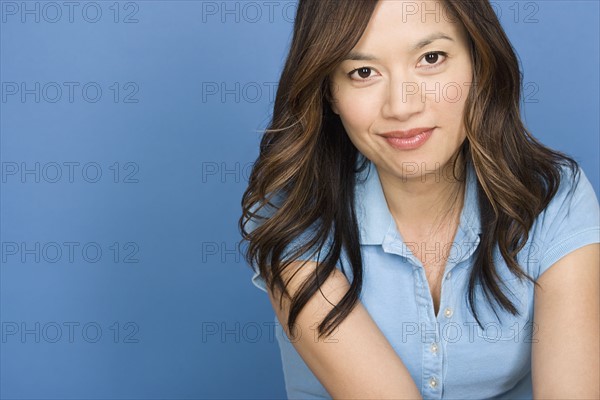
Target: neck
x,y
422,204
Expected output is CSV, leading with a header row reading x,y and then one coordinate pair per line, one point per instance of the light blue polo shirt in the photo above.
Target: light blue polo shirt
x,y
449,356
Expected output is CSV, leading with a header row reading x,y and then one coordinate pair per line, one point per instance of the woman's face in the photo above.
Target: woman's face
x,y
411,69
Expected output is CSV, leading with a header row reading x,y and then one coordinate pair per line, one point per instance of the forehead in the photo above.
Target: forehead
x,y
408,25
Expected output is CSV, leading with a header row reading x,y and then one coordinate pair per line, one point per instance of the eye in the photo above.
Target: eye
x,y
363,73
431,59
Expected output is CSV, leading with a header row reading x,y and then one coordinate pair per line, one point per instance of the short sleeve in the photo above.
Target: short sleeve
x,y
259,281
570,221
257,278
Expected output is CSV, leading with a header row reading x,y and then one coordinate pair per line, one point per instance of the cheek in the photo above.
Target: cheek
x,y
452,111
448,116
357,111
451,108
453,95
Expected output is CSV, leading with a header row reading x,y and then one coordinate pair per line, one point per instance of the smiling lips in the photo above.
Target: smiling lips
x,y
408,140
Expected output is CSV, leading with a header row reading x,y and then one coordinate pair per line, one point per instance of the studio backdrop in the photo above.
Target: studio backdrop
x,y
128,131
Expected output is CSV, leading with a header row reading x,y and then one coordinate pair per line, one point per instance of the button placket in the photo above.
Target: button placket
x,y
430,339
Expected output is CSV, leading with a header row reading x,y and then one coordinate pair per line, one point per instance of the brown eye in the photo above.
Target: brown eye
x,y
364,72
432,58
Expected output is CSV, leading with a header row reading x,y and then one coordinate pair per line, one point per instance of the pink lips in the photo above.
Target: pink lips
x,y
408,140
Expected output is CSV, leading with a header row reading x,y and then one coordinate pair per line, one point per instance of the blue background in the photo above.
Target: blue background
x,y
159,160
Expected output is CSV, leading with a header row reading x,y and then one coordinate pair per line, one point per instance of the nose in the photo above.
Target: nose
x,y
403,100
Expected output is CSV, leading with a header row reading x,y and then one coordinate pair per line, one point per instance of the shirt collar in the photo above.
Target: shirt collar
x,y
374,217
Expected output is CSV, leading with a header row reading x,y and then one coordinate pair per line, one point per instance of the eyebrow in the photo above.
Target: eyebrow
x,y
357,56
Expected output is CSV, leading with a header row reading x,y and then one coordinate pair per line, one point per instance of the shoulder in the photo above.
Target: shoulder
x,y
570,220
574,201
574,184
259,215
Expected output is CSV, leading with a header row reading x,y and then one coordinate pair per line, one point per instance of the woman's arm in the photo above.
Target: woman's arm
x,y
566,349
356,361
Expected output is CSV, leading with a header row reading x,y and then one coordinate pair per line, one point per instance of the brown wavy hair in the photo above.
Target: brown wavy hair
x,y
307,159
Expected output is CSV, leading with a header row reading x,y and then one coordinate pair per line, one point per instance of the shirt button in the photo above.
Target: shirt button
x,y
448,275
433,382
448,312
434,347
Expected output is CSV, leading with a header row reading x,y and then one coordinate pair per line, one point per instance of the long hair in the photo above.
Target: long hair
x,y
307,158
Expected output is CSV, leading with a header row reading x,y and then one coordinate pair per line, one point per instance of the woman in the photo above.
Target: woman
x,y
404,222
